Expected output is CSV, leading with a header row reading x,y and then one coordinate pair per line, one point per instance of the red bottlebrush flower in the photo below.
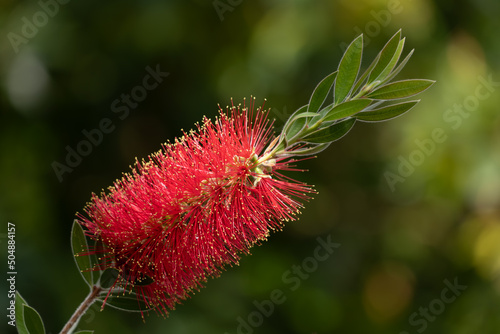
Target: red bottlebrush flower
x,y
194,207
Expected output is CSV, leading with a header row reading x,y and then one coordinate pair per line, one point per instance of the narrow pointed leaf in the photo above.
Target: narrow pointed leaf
x,y
400,67
362,79
32,320
348,69
400,89
346,109
295,128
374,105
331,133
79,245
386,113
296,123
311,150
128,302
392,63
385,56
321,114
290,120
305,114
20,324
320,93
297,116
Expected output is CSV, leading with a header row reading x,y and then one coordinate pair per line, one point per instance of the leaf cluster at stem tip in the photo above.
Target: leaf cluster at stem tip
x,y
369,96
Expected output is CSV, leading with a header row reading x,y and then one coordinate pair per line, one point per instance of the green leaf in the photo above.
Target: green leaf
x,y
400,67
130,302
321,114
290,120
305,114
331,133
108,278
295,128
385,56
20,324
320,93
84,332
392,63
348,69
32,320
366,73
296,123
346,109
79,245
310,150
400,89
386,113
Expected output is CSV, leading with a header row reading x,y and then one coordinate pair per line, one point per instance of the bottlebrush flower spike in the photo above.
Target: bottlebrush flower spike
x,y
193,208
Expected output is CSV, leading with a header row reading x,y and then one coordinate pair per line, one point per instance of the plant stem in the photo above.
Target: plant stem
x,y
80,311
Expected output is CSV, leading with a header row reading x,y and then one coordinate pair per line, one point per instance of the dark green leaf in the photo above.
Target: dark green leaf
x,y
392,63
305,114
320,115
20,324
346,109
296,123
400,89
385,56
32,320
108,278
289,122
314,117
129,302
80,246
305,151
331,133
99,258
320,93
295,128
84,332
142,281
386,113
348,69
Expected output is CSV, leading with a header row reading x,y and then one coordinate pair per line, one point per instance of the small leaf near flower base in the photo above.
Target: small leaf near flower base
x,y
81,254
108,278
128,302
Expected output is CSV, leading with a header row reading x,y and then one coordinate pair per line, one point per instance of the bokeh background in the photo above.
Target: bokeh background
x,y
404,229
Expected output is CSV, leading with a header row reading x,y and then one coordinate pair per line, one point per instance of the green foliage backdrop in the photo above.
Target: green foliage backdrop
x,y
413,203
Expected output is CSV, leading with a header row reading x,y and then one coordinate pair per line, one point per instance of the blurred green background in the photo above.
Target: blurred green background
x,y
406,230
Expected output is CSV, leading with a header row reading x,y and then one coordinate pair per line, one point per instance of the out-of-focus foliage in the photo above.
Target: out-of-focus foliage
x,y
413,203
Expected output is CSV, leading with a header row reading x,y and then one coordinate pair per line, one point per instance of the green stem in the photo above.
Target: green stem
x,y
80,311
